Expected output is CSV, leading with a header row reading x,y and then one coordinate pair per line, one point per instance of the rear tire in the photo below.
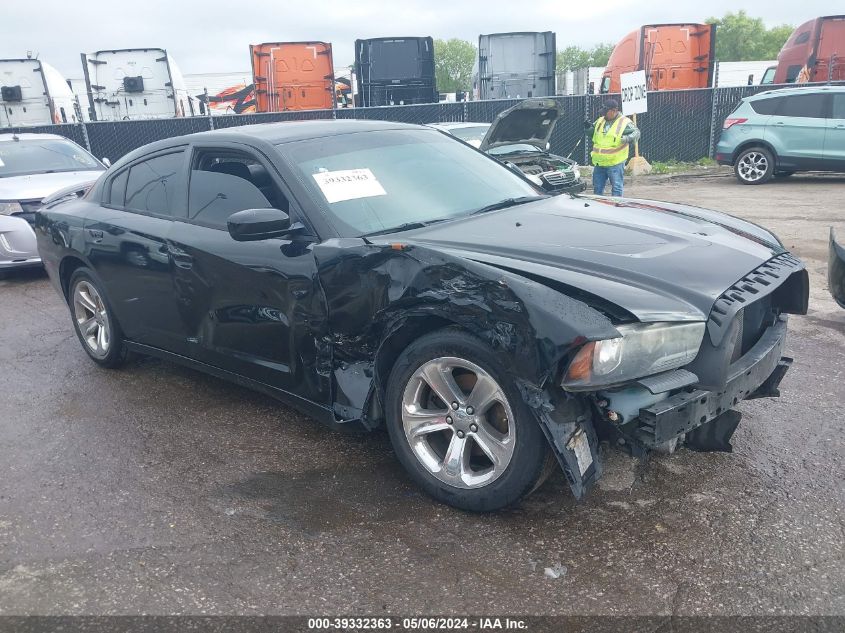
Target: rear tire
x,y
94,321
754,166
484,452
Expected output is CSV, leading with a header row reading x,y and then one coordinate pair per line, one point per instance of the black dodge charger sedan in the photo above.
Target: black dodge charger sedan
x,y
378,275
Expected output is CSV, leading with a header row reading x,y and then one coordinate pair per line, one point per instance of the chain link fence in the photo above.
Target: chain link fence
x,y
682,125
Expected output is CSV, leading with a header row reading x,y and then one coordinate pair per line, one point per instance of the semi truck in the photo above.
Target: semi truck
x,y
135,83
292,76
34,93
814,52
516,65
674,57
395,71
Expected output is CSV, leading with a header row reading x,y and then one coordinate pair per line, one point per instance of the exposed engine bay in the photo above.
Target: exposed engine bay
x,y
554,173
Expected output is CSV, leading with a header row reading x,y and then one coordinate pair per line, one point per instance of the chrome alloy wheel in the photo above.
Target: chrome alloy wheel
x,y
91,318
753,166
457,421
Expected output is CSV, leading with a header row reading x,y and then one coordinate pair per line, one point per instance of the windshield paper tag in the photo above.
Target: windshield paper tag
x,y
348,184
2,164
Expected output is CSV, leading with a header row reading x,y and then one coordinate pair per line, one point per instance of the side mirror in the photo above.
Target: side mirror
x,y
252,225
106,162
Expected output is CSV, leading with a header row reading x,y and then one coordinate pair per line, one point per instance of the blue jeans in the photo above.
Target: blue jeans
x,y
615,173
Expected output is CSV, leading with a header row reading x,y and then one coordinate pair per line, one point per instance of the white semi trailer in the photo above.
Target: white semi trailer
x,y
515,65
135,83
33,93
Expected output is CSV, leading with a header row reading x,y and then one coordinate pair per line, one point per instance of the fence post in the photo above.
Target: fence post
x,y
587,117
711,147
208,110
81,121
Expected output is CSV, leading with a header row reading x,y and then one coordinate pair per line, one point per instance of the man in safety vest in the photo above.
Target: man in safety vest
x,y
612,134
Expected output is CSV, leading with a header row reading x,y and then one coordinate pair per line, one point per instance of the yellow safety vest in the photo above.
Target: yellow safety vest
x,y
608,149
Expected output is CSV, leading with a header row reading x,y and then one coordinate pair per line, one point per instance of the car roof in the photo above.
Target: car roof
x,y
781,92
31,136
454,126
286,131
274,133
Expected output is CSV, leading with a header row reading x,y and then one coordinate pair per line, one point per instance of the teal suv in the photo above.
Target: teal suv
x,y
776,133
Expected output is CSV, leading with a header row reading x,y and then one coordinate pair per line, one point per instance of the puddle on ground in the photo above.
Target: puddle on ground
x,y
318,501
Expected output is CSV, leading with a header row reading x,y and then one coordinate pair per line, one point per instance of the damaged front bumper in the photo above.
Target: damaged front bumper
x,y
755,375
572,434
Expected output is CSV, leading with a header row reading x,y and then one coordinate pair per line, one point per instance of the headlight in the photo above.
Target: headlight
x,y
642,350
8,207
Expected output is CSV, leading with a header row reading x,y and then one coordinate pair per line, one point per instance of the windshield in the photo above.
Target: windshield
x,y
20,158
515,148
375,181
473,133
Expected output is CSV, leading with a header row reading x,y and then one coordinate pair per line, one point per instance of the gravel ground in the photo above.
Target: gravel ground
x,y
156,489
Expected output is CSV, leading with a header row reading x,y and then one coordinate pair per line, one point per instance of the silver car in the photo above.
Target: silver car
x,y
33,166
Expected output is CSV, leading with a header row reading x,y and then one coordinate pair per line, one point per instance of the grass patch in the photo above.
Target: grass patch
x,y
672,166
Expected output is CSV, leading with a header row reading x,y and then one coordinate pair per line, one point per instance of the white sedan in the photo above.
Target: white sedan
x,y
33,166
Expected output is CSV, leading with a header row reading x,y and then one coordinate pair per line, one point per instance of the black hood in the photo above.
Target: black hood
x,y
654,260
530,121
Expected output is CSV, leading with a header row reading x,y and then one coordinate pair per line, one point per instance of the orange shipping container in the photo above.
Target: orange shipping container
x,y
674,56
292,76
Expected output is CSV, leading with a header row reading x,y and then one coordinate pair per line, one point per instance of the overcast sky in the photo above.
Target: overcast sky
x,y
214,35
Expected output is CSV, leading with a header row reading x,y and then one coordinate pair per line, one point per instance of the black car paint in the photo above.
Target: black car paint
x,y
317,321
836,269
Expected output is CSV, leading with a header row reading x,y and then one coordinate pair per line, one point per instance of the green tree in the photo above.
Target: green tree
x,y
453,62
573,57
740,38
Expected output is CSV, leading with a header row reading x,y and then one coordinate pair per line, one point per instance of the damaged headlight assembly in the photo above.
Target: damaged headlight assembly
x,y
10,207
643,349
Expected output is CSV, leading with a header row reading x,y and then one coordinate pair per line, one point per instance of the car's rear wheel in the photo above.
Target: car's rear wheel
x,y
94,321
459,425
754,166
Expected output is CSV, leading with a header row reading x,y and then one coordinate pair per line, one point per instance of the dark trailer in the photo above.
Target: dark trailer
x,y
395,71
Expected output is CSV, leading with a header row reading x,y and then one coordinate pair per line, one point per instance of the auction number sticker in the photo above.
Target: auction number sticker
x,y
348,184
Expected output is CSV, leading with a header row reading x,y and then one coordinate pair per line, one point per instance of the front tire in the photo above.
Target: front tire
x,y
754,166
94,321
459,425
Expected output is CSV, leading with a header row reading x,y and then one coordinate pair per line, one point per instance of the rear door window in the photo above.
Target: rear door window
x,y
766,106
152,184
809,106
838,106
117,190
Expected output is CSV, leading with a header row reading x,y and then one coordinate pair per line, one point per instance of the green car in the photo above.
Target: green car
x,y
779,132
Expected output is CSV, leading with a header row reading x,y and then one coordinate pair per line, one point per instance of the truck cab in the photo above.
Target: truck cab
x,y
674,56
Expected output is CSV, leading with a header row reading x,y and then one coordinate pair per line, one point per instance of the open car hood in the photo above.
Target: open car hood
x,y
530,121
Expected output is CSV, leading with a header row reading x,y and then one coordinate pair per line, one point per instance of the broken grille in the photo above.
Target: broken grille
x,y
759,283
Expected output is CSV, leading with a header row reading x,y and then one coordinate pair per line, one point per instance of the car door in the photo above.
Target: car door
x,y
797,129
126,242
252,308
834,139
